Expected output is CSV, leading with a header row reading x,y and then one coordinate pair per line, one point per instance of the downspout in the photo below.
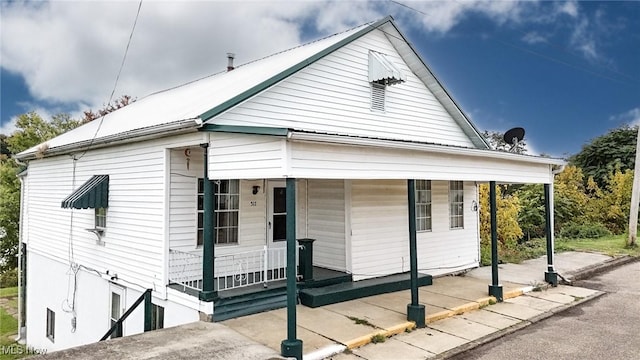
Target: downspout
x,y
209,292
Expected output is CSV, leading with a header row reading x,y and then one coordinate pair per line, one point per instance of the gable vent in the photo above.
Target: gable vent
x,y
377,96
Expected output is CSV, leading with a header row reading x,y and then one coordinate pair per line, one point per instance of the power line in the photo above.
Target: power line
x,y
115,85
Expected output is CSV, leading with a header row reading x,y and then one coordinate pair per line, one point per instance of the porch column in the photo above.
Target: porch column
x,y
291,347
550,276
208,292
495,289
415,311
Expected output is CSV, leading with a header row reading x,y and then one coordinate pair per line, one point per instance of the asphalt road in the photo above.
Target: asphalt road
x,y
605,328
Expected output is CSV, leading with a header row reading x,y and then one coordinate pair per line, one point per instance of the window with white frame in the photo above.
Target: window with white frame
x,y
51,324
456,205
423,205
101,218
227,204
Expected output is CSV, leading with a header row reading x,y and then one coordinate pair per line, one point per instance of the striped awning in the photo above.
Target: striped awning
x,y
92,194
383,71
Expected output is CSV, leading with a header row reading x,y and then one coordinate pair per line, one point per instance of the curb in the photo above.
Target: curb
x,y
514,328
589,271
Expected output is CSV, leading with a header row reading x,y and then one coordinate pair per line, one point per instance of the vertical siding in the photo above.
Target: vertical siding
x,y
237,156
327,223
443,250
333,96
379,228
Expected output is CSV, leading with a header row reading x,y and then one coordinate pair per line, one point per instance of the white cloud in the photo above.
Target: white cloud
x,y
70,52
631,117
533,37
569,7
583,40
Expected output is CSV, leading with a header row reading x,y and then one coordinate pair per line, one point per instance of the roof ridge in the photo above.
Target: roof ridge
x,y
262,58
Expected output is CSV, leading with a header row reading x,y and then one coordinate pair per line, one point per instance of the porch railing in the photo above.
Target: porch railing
x,y
232,271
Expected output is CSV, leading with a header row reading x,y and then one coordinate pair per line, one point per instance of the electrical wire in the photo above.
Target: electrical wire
x,y
115,85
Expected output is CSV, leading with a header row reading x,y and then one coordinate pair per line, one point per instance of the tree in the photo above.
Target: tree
x,y
603,155
496,140
31,131
507,209
123,101
611,206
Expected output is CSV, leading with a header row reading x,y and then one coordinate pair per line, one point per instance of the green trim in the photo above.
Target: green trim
x,y
495,289
209,234
148,309
93,194
413,249
255,130
550,276
290,71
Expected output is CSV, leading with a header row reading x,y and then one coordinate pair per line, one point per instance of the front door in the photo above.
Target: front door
x,y
277,227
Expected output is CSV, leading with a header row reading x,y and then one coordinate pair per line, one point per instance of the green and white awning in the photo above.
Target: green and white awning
x,y
92,194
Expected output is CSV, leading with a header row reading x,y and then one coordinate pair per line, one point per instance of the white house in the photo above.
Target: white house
x,y
349,122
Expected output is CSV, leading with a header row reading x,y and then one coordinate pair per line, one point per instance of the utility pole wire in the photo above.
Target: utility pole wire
x,y
635,197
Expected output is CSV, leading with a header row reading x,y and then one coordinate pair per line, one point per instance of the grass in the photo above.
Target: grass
x,y
359,321
11,291
378,338
611,245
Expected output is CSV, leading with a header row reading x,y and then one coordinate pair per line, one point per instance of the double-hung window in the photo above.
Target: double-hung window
x,y
423,205
227,204
456,205
100,218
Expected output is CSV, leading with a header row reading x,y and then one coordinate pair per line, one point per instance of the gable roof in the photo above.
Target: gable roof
x,y
186,107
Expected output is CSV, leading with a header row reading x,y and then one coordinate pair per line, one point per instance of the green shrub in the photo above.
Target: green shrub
x,y
584,231
9,278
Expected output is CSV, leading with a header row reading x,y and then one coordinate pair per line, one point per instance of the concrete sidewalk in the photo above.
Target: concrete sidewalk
x,y
460,314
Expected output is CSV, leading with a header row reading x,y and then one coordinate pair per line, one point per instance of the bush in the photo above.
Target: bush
x,y
584,231
9,278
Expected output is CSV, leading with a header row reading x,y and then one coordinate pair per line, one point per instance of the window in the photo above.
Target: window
x,y
116,312
377,96
423,205
456,205
51,324
157,317
227,203
101,218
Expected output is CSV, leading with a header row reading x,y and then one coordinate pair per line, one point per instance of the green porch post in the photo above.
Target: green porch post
x,y
495,289
550,276
147,310
291,347
415,311
208,292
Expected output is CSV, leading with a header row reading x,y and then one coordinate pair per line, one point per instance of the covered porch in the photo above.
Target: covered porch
x,y
267,153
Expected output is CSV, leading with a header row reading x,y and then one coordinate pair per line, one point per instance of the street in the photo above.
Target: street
x,y
606,328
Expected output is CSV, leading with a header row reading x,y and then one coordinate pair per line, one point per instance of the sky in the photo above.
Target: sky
x,y
565,71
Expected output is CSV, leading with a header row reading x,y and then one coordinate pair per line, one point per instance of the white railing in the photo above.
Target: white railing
x,y
230,271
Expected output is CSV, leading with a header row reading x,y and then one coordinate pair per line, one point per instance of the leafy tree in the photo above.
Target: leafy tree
x,y
32,130
4,147
603,155
496,140
611,206
123,101
507,209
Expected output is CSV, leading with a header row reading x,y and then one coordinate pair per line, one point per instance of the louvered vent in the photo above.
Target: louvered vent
x,y
377,96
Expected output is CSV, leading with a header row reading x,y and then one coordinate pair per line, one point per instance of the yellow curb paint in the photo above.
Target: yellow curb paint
x,y
512,294
439,316
363,340
400,328
464,308
486,301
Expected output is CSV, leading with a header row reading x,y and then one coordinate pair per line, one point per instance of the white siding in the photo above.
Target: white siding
x,y
379,228
318,160
51,286
333,96
240,156
134,237
327,223
183,212
443,250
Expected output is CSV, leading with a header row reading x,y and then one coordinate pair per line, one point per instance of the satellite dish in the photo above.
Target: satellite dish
x,y
513,137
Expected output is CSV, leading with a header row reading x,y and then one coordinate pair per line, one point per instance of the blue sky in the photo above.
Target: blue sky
x,y
565,71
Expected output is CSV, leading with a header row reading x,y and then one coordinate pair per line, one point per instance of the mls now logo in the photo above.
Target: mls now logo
x,y
20,350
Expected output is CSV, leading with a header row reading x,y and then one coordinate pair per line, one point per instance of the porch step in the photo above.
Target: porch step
x,y
320,296
233,306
